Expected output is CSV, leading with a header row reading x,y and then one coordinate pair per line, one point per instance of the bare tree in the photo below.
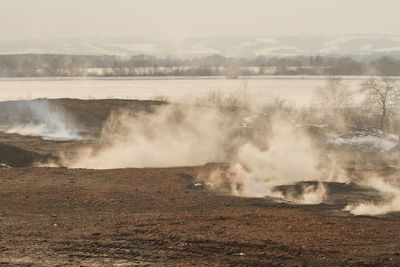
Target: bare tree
x,y
384,95
334,95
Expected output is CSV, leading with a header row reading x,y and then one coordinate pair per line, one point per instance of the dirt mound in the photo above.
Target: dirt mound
x,y
16,157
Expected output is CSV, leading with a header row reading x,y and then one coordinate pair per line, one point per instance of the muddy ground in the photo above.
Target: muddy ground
x,y
157,216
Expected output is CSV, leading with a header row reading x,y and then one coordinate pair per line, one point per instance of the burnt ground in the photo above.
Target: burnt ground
x,y
157,216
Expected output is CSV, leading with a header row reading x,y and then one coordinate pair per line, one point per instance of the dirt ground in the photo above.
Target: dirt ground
x,y
59,216
157,216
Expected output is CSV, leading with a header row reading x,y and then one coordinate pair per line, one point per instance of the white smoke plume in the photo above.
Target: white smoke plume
x,y
289,158
390,203
180,135
310,194
46,123
263,158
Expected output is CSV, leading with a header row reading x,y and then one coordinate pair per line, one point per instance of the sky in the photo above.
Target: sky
x,y
85,19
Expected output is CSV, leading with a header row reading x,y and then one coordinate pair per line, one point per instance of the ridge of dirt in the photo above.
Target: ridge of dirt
x,y
16,157
86,115
92,114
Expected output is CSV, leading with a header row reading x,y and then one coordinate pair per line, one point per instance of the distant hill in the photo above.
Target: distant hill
x,y
373,45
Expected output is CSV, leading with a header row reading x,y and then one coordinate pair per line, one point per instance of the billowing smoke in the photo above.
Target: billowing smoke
x,y
288,157
44,122
390,202
309,194
264,152
281,163
174,135
180,135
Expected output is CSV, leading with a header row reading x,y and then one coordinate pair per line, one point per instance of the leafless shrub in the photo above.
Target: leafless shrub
x,y
384,96
161,97
238,99
212,98
334,95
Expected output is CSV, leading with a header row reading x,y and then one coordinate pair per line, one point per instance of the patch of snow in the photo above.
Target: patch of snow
x,y
96,49
365,140
245,45
203,184
4,165
366,48
134,47
257,41
329,49
274,50
199,49
268,40
389,49
333,46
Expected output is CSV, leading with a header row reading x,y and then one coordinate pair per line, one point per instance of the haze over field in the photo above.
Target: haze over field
x,y
47,19
199,133
188,28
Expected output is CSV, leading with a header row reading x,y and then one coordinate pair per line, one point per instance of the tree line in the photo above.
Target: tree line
x,y
50,65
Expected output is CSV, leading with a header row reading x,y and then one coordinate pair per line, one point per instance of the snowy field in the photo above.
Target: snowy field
x,y
299,90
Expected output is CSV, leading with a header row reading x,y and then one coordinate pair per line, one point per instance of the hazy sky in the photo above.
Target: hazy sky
x,y
49,19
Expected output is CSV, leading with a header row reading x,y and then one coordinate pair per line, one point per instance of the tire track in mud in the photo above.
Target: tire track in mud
x,y
175,250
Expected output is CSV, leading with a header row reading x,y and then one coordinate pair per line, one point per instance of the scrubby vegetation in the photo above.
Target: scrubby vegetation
x,y
373,107
36,65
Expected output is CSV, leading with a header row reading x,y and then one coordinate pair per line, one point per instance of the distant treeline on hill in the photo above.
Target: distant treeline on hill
x,y
35,65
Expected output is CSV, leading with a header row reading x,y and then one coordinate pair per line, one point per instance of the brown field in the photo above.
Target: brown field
x,y
156,216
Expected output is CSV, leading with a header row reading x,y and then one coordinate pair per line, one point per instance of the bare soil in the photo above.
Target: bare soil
x,y
157,216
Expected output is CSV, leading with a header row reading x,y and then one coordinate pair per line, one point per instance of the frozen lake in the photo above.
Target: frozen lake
x,y
298,90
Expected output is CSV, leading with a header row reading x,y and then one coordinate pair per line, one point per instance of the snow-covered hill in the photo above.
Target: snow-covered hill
x,y
228,46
